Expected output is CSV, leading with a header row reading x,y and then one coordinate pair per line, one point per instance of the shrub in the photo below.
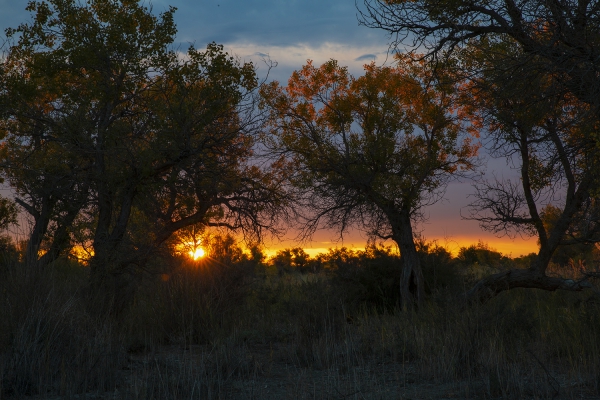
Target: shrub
x,y
194,303
440,270
368,278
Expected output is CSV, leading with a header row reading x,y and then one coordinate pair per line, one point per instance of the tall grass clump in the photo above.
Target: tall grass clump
x,y
522,344
49,344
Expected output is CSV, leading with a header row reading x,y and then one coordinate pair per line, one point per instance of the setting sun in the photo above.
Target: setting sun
x,y
196,254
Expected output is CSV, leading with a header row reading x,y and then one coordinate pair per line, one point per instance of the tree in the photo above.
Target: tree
x,y
550,137
108,128
370,151
533,71
288,260
563,36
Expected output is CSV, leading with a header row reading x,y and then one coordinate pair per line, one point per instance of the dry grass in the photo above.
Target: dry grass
x,y
221,332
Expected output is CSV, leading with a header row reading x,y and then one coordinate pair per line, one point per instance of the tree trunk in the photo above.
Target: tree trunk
x,y
411,280
534,277
492,285
40,227
111,287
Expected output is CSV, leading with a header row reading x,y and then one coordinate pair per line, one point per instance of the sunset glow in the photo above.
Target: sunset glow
x,y
508,247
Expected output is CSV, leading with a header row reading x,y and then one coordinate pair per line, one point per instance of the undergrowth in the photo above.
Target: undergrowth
x,y
243,329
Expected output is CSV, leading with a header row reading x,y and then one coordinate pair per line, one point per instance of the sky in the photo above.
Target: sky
x,y
289,32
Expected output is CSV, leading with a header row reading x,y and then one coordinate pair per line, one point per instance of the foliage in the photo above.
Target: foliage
x,y
549,136
8,213
207,329
372,280
440,269
481,254
9,254
531,78
581,250
369,151
288,260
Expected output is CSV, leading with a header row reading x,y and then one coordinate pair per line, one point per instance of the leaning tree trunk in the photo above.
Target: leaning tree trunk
x,y
533,277
40,227
411,279
492,285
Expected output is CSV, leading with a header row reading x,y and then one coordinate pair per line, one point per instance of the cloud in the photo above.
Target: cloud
x,y
271,22
292,57
289,31
366,57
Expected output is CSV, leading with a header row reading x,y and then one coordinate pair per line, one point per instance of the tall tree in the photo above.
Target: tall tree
x,y
534,71
106,124
370,151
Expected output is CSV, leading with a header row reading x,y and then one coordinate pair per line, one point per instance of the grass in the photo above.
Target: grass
x,y
243,330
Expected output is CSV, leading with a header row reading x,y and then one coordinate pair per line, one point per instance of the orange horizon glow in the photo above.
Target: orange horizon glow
x,y
508,247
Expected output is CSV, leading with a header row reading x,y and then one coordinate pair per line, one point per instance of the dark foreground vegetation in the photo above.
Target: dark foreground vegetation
x,y
236,326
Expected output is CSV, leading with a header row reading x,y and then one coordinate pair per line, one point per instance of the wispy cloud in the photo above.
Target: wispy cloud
x,y
366,57
293,57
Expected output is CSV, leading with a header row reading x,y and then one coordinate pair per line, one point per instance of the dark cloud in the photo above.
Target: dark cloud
x,y
366,57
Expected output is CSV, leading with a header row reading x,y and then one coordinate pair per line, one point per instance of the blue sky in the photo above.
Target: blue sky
x,y
290,32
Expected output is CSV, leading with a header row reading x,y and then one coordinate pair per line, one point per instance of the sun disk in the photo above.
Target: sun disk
x,y
196,254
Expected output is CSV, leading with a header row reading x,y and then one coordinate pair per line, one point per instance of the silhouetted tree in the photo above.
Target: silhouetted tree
x,y
370,151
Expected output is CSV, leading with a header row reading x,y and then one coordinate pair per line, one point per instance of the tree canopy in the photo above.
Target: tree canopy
x,y
109,129
550,136
564,36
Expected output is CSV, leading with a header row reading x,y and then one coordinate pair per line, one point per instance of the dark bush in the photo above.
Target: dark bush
x,y
368,278
440,270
